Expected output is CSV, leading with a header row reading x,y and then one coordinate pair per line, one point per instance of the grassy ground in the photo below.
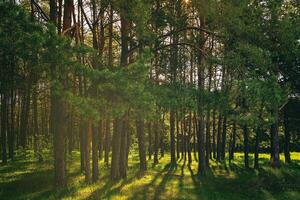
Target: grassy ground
x,y
28,179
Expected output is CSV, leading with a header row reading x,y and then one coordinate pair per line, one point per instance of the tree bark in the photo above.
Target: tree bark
x,y
116,145
87,150
24,118
172,137
287,138
219,138
124,148
214,134
224,138
4,126
246,146
275,139
95,156
256,148
233,143
107,141
141,143
11,137
150,150
208,142
156,142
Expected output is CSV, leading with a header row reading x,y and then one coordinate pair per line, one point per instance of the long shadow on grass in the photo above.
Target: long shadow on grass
x,y
27,184
239,183
166,178
143,192
106,192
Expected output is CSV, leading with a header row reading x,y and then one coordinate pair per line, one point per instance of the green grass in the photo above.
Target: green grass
x,y
28,179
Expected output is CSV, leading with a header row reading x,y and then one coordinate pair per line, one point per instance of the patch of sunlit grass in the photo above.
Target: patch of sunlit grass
x,y
33,180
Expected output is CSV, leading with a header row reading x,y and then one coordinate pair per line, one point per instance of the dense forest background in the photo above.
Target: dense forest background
x,y
191,80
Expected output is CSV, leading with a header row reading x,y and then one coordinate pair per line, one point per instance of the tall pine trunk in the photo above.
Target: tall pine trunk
x,y
224,138
4,126
246,146
287,138
275,139
95,156
233,142
141,143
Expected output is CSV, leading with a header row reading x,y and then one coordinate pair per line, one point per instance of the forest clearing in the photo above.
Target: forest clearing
x,y
229,181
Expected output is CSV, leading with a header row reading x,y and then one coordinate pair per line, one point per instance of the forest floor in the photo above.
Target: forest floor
x,y
29,179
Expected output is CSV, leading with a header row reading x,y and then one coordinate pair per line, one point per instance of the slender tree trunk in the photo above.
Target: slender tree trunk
x,y
256,148
156,142
11,137
4,126
208,141
141,143
95,156
59,142
116,144
275,139
87,150
246,146
200,133
161,139
124,148
125,30
82,144
172,137
287,155
101,139
224,138
233,143
107,141
177,137
150,140
110,63
35,120
196,127
219,138
214,134
189,139
24,118
271,143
